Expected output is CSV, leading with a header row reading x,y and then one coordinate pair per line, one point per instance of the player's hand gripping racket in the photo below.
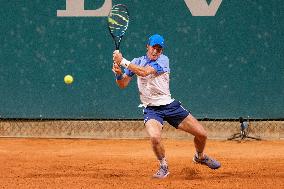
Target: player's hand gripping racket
x,y
118,20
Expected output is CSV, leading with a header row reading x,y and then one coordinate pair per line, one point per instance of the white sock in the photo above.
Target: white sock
x,y
163,162
199,155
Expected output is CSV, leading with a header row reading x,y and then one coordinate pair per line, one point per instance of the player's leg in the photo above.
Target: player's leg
x,y
154,130
192,126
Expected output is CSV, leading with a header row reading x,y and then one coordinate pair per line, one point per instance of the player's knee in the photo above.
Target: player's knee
x,y
202,136
155,140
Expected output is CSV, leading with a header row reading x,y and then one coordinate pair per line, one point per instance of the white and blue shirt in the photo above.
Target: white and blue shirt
x,y
154,89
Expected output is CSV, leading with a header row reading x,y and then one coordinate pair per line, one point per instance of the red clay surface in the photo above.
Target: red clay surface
x,y
75,163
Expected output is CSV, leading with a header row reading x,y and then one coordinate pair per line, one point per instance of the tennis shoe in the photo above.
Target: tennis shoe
x,y
210,162
163,172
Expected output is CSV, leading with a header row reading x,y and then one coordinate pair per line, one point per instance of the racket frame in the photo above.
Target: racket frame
x,y
117,39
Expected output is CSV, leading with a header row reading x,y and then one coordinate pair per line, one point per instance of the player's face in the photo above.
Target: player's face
x,y
153,52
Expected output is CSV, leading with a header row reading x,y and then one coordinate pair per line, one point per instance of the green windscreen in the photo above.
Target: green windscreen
x,y
223,66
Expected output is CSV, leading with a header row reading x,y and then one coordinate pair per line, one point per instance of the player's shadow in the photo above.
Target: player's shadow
x,y
190,173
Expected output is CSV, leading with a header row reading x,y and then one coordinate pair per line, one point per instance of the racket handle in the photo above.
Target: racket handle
x,y
116,51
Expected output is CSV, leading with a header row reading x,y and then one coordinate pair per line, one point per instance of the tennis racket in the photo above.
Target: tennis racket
x,y
118,20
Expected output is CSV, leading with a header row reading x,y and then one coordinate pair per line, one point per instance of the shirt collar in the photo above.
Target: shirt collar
x,y
148,59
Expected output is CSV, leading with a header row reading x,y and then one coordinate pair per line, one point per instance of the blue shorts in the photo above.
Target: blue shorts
x,y
173,113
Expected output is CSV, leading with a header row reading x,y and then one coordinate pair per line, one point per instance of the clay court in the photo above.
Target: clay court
x,y
84,163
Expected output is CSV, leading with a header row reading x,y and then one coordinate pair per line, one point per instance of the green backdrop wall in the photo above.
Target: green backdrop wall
x,y
222,66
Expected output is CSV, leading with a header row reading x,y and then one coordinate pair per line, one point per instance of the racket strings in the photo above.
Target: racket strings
x,y
118,20
123,17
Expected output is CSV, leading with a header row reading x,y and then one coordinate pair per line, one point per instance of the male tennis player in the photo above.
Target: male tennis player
x,y
153,72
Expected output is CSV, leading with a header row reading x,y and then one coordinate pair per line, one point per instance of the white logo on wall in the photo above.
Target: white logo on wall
x,y
75,8
201,7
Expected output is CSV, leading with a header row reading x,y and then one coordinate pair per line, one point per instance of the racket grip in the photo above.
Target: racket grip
x,y
116,51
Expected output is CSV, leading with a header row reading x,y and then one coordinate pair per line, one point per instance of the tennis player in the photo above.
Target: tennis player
x,y
153,71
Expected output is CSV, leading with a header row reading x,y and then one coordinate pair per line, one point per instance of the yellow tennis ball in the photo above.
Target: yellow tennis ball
x,y
68,79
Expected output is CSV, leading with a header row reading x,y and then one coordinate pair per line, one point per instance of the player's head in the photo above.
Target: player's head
x,y
155,46
156,39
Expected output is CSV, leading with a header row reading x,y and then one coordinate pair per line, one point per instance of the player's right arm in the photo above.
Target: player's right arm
x,y
122,80
135,69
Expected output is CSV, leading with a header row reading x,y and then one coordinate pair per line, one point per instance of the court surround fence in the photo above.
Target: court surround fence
x,y
131,129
